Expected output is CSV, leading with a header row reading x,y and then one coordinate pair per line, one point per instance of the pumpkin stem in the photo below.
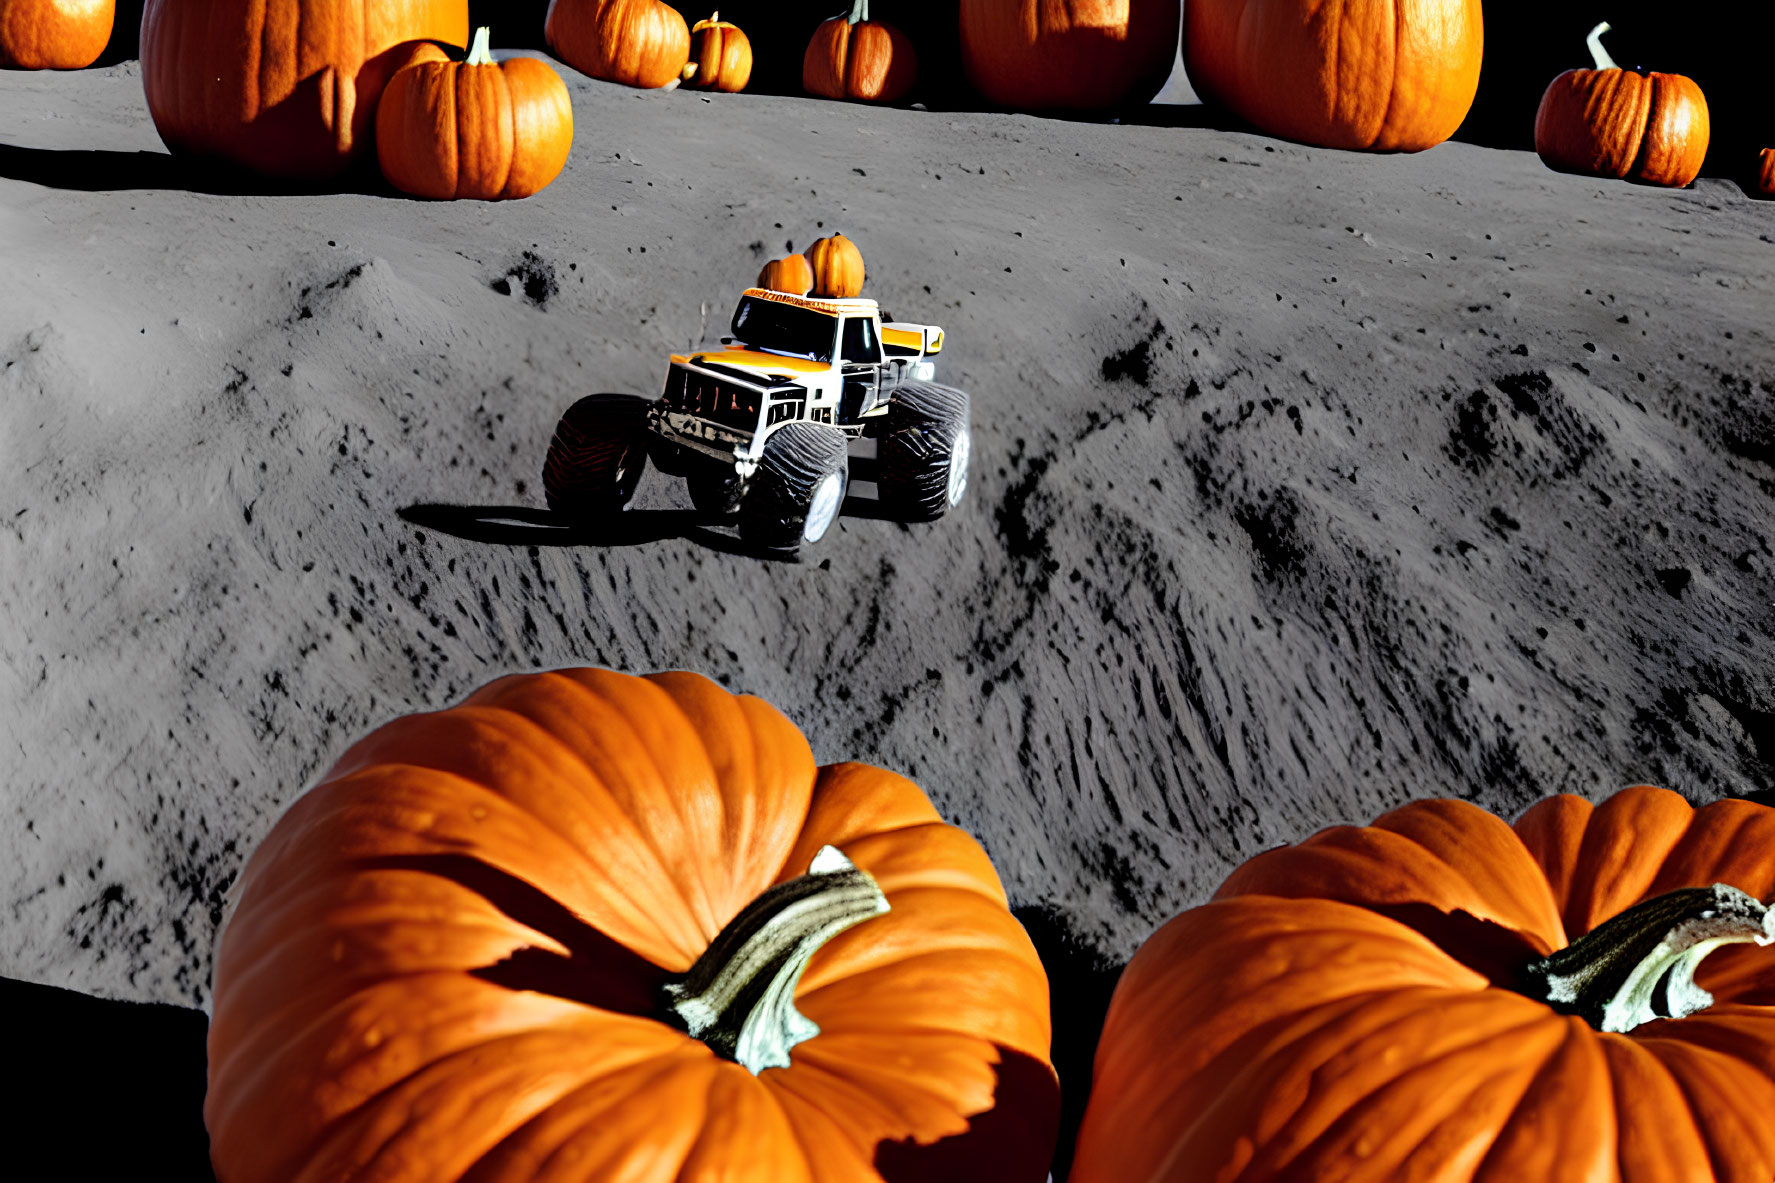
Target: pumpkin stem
x,y
481,52
1640,965
1597,52
739,997
859,11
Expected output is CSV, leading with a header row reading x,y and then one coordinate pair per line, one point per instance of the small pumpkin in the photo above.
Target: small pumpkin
x,y
837,267
54,34
1378,77
642,43
603,926
792,274
853,57
478,128
720,56
1085,55
1623,124
286,87
1442,995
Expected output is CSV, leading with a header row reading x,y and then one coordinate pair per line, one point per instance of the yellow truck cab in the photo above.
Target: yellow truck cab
x,y
769,424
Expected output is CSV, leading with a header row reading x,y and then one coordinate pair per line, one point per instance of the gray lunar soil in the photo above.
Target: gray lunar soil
x,y
1305,483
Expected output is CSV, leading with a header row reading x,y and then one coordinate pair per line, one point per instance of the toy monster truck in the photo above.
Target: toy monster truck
x,y
767,427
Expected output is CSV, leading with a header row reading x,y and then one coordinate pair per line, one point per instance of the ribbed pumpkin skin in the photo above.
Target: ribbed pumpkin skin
x,y
723,56
54,34
285,87
640,43
1083,55
1766,171
1378,75
1301,1026
837,267
447,129
442,954
870,62
791,274
1622,124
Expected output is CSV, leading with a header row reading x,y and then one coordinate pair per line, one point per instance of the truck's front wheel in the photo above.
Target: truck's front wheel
x,y
924,451
597,456
799,487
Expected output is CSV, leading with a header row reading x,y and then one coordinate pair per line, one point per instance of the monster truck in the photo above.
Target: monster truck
x,y
767,427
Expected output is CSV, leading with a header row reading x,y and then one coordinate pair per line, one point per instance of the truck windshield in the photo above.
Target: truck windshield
x,y
784,328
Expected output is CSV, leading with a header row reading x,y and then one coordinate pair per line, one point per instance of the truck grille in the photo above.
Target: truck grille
x,y
727,403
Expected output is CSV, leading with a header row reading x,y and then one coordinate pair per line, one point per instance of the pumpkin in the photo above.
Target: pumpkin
x,y
480,128
287,87
1623,124
1442,995
720,56
1382,77
837,267
853,57
791,274
641,43
1038,55
591,925
54,34
1766,171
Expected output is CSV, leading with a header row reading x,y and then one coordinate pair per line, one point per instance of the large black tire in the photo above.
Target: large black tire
x,y
597,456
799,462
922,459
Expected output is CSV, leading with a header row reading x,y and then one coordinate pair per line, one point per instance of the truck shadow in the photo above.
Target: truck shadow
x,y
527,525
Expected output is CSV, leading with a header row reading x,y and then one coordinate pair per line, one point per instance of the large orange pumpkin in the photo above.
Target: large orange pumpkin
x,y
54,34
568,929
478,128
1038,55
1442,996
1622,124
642,43
287,87
1766,171
853,57
837,267
1388,77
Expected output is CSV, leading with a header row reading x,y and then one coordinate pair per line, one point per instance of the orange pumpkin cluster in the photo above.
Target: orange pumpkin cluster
x,y
627,926
330,79
831,268
304,105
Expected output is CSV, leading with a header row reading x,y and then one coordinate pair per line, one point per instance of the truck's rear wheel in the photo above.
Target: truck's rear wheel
x,y
597,456
798,490
924,451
